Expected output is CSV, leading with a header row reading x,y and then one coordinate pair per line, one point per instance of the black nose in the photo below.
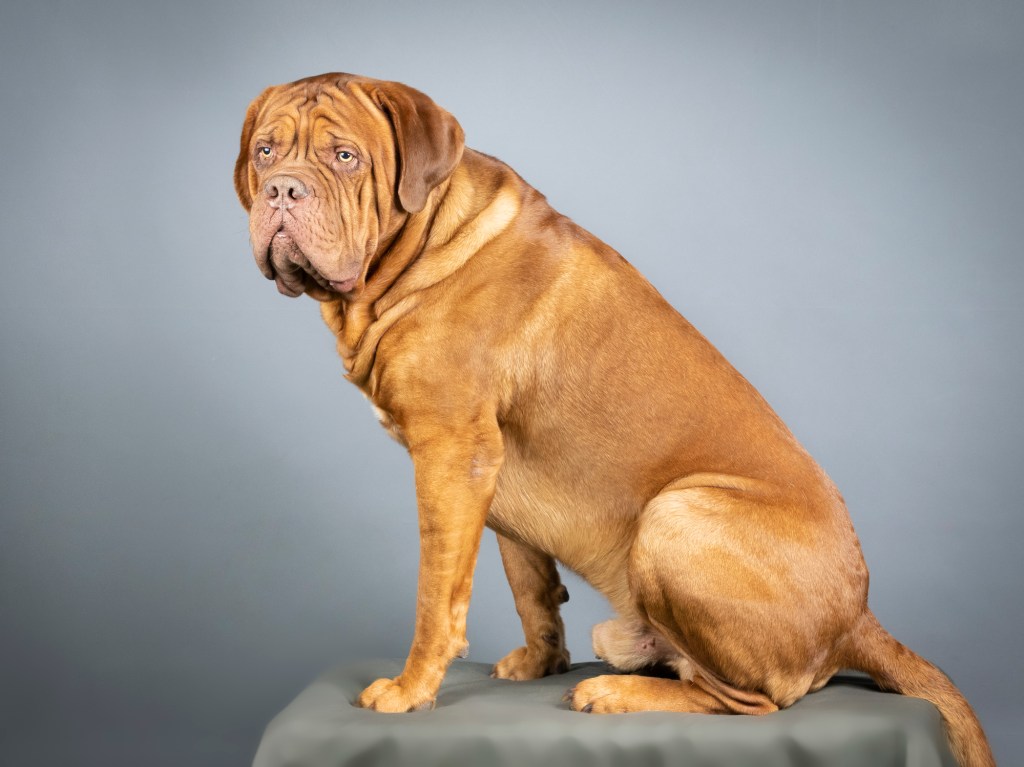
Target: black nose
x,y
284,190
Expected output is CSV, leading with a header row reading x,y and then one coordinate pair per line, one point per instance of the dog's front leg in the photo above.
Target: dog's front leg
x,y
538,593
456,469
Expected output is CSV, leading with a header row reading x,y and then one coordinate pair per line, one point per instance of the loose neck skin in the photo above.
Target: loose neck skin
x,y
459,218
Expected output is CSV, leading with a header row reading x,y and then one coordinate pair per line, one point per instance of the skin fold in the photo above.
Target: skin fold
x,y
545,389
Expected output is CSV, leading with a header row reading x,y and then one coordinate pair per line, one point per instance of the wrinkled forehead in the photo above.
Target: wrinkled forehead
x,y
322,110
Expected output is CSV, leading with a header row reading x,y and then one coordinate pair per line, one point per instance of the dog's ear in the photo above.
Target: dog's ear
x,y
428,142
243,168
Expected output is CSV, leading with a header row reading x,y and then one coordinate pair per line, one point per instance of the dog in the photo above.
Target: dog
x,y
546,390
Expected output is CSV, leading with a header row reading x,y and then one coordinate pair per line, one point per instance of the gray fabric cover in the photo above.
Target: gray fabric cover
x,y
484,721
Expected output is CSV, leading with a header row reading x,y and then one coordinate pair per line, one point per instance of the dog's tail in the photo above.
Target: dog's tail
x,y
896,668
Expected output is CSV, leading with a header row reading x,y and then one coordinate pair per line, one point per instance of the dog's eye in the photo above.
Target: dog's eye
x,y
265,151
346,156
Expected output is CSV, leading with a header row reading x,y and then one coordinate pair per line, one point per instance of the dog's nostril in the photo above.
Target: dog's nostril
x,y
285,186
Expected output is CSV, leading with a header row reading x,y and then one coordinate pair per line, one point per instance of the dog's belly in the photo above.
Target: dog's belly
x,y
589,532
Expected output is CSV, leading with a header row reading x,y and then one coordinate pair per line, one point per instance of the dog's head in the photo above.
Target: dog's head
x,y
329,169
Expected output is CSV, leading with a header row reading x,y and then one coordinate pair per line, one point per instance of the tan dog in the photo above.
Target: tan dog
x,y
546,390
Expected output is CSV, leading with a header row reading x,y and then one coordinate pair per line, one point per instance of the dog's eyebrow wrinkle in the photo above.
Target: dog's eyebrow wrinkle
x,y
322,123
326,94
303,132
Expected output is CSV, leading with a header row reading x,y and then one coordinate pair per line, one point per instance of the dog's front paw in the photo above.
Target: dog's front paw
x,y
390,696
525,663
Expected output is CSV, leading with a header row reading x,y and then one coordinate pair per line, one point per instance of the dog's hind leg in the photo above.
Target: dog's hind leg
x,y
631,644
621,694
538,593
753,592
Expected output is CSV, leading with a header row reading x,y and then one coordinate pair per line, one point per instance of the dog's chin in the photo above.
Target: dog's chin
x,y
345,286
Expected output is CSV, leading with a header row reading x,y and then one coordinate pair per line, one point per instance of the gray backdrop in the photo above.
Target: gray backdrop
x,y
199,514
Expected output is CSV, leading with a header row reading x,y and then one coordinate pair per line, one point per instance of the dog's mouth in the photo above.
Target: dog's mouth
x,y
286,264
289,267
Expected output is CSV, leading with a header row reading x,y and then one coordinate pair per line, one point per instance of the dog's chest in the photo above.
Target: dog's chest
x,y
388,423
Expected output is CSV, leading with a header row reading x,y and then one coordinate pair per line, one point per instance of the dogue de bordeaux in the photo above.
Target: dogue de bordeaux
x,y
546,390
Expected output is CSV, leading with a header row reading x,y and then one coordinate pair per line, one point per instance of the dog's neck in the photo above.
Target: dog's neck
x,y
428,247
